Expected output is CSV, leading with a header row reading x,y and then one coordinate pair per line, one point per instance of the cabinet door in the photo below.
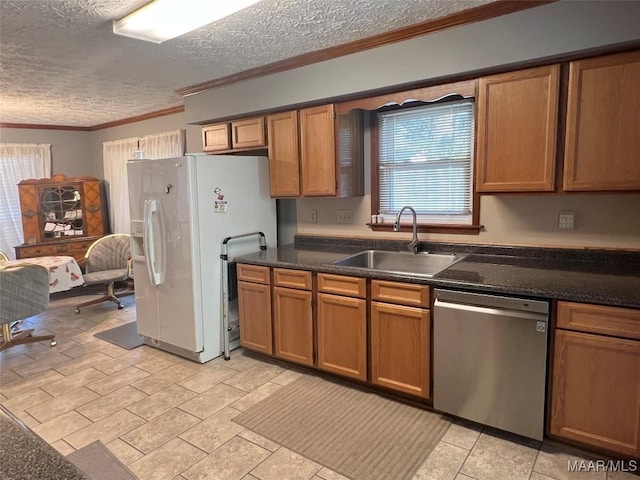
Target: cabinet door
x,y
94,221
400,354
254,306
216,137
30,206
603,114
317,151
596,391
248,133
284,158
293,326
342,335
517,126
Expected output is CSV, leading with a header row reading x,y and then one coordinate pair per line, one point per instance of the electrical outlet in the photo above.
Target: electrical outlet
x,y
566,220
313,216
345,216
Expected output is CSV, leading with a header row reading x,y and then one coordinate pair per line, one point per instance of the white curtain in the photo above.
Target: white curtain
x,y
114,157
163,145
18,162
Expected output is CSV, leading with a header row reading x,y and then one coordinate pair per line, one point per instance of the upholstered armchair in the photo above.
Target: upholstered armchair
x,y
107,261
24,292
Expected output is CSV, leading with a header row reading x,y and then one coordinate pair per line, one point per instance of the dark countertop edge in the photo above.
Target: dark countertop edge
x,y
589,254
439,283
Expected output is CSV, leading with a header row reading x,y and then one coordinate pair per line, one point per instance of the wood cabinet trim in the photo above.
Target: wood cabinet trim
x,y
342,285
400,293
605,320
253,273
285,277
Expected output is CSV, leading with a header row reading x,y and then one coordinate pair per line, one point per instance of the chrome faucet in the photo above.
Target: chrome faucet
x,y
413,245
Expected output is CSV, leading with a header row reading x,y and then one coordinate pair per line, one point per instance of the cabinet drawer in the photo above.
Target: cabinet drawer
x,y
341,285
253,273
41,251
401,293
616,321
283,277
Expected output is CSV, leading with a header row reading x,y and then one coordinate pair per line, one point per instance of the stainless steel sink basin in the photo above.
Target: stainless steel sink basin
x,y
424,264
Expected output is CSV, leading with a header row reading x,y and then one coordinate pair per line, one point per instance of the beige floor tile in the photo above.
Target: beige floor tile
x,y
239,361
111,403
462,476
125,452
207,378
286,377
286,465
231,461
443,463
116,364
62,404
155,364
27,419
160,430
257,395
26,400
462,434
22,386
63,447
8,377
214,431
61,426
624,475
105,430
94,359
259,440
168,461
494,458
73,381
554,461
79,350
327,474
175,359
161,402
212,401
539,476
157,381
52,360
117,380
248,476
11,358
250,379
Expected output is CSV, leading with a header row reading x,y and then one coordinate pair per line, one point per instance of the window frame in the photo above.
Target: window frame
x,y
465,229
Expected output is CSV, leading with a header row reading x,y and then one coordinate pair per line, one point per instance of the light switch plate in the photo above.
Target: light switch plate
x,y
566,220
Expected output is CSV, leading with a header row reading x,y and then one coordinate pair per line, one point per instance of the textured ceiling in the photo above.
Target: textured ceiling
x,y
62,65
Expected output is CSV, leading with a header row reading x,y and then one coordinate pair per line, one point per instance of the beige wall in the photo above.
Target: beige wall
x,y
71,152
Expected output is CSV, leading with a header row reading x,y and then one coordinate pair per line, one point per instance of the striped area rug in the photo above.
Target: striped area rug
x,y
358,434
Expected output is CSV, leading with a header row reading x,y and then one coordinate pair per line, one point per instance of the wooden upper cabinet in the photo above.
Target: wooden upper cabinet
x,y
602,146
248,133
517,116
284,158
317,151
216,137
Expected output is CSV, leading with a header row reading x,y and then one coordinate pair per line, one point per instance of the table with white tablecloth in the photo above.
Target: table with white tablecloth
x,y
64,272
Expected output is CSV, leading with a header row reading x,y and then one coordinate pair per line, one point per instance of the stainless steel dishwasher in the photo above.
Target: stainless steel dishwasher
x,y
490,360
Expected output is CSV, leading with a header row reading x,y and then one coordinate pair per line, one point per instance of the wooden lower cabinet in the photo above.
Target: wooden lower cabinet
x,y
293,325
596,391
342,335
254,304
400,356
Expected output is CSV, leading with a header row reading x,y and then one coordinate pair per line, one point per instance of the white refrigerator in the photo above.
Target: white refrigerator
x,y
181,210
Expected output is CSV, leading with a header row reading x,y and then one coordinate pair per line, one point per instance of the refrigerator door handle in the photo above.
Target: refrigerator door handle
x,y
155,258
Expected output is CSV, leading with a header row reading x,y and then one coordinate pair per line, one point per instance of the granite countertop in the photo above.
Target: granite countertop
x,y
580,276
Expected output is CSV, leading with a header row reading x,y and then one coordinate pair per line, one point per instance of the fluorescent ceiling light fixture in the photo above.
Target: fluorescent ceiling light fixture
x,y
162,20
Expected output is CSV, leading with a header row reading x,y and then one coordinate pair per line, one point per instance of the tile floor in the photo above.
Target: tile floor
x,y
170,418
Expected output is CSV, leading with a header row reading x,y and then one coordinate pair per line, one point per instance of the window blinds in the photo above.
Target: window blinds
x,y
425,161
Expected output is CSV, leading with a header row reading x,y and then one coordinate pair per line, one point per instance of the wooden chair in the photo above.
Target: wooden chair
x,y
24,292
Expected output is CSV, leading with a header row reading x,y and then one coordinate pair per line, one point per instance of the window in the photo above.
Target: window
x,y
425,160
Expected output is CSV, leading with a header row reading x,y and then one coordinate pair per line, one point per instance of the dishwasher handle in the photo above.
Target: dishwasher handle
x,y
505,312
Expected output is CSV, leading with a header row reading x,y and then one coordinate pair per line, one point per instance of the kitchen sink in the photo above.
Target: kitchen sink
x,y
423,264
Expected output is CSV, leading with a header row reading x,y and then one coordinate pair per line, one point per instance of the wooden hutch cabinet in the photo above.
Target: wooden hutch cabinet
x,y
61,215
